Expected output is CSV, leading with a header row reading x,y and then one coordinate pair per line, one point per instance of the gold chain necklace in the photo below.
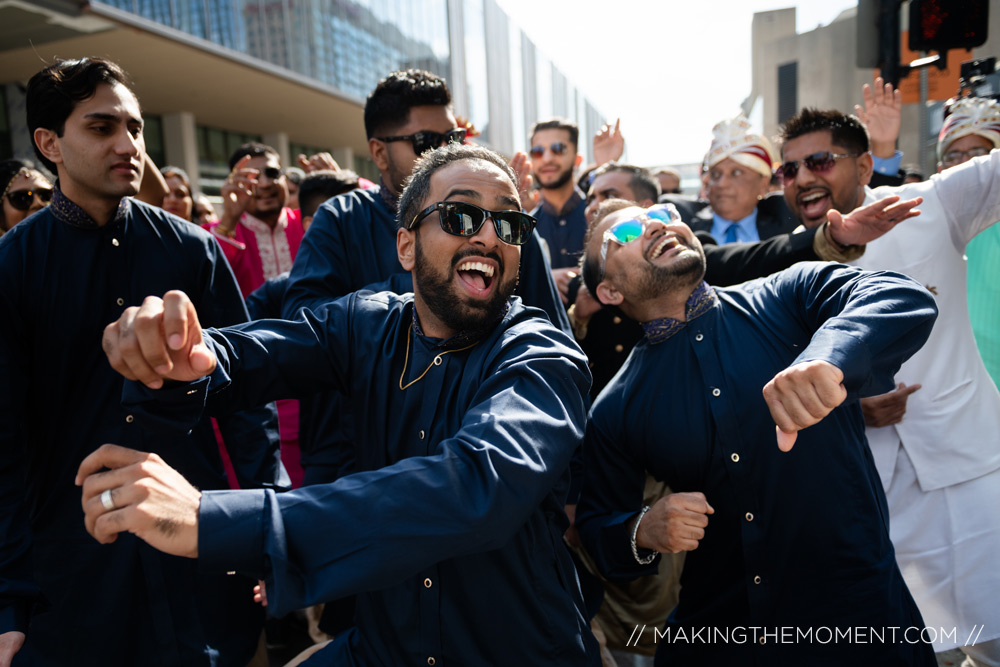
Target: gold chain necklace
x,y
435,362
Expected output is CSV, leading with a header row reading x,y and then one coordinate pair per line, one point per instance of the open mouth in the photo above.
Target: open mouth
x,y
666,243
814,204
476,275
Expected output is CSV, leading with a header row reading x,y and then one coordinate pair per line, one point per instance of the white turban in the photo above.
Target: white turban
x,y
970,115
733,139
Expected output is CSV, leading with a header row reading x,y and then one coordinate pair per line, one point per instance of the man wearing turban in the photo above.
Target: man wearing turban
x,y
971,129
737,173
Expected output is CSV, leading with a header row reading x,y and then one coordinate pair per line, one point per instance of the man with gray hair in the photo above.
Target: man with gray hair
x,y
470,408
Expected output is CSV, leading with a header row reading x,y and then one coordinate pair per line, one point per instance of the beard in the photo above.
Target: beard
x,y
681,275
439,292
561,180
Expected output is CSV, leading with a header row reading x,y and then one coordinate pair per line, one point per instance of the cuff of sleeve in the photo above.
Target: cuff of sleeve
x,y
843,350
14,617
177,407
888,166
829,251
231,532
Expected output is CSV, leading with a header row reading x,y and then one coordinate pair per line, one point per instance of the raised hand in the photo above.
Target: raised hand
x,y
237,190
674,523
522,168
609,144
801,395
866,223
159,340
882,115
318,162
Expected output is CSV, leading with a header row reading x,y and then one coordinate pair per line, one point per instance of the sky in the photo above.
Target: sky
x,y
669,69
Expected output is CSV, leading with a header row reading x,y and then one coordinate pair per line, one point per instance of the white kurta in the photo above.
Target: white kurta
x,y
944,511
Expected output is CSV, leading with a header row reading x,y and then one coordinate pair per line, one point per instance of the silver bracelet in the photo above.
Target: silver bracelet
x,y
635,531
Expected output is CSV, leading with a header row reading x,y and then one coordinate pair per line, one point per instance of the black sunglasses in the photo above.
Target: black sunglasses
x,y
22,199
462,219
818,163
274,173
558,148
425,140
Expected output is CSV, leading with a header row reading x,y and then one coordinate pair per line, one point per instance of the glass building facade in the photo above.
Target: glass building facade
x,y
501,82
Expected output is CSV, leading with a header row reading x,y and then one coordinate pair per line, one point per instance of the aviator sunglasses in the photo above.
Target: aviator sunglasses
x,y
817,163
627,231
558,148
462,219
425,140
22,199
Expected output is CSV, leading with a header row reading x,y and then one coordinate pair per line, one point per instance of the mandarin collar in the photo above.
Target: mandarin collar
x,y
702,300
571,203
70,213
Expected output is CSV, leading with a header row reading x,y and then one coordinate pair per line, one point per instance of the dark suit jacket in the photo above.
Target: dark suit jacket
x,y
611,335
773,215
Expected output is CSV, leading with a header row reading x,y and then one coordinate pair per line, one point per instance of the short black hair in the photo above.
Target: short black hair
x,y
321,185
845,129
388,106
641,182
558,124
253,149
55,91
590,267
419,183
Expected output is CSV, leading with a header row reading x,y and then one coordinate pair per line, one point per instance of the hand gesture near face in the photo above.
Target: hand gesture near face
x,y
237,190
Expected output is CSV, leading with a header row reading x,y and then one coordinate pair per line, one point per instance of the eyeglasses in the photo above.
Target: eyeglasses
x,y
558,148
22,199
951,158
817,163
627,231
425,140
274,173
463,219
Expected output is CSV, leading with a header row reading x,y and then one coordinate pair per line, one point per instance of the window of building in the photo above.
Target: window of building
x,y
788,90
214,148
152,132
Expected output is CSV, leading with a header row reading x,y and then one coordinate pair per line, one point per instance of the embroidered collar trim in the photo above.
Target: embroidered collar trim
x,y
260,227
69,212
702,300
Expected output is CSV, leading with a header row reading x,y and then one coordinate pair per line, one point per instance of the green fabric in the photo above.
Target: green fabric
x,y
984,296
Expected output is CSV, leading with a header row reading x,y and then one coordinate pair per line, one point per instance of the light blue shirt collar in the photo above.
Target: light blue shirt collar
x,y
746,229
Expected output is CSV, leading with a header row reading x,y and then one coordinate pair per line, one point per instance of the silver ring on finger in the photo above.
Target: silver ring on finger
x,y
107,501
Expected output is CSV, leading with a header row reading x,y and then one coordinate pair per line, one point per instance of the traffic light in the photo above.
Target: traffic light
x,y
939,25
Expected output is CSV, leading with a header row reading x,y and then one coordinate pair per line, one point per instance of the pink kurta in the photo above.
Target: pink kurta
x,y
259,252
